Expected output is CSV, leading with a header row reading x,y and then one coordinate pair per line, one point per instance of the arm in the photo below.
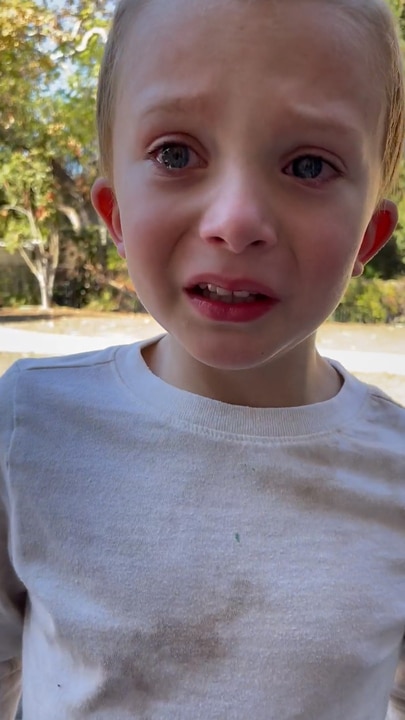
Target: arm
x,y
10,674
398,692
12,592
12,602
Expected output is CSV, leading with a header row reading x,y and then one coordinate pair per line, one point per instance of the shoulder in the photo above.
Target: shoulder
x,y
49,408
384,407
372,395
34,369
384,401
388,415
379,418
50,373
31,386
65,362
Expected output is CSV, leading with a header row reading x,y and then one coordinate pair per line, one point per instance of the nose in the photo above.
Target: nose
x,y
238,214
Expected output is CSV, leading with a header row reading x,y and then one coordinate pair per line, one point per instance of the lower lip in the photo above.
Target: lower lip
x,y
231,312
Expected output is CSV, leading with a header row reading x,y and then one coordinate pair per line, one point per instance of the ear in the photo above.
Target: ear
x,y
105,204
379,231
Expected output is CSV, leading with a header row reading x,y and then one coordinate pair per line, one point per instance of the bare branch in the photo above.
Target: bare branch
x,y
72,215
54,249
29,262
76,29
35,232
101,32
103,279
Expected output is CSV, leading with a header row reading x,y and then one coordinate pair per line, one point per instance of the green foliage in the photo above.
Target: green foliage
x,y
17,289
372,301
105,300
28,186
49,60
396,6
400,233
113,261
391,261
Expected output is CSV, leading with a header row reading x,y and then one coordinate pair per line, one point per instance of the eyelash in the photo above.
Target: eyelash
x,y
184,148
326,164
154,155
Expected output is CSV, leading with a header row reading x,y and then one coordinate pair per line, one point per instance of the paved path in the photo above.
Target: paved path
x,y
27,341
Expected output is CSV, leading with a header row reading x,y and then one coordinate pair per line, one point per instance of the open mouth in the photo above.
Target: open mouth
x,y
230,297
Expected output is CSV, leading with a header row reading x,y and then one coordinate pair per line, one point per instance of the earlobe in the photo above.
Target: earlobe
x,y
105,204
379,231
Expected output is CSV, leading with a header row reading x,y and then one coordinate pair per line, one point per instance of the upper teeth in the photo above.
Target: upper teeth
x,y
223,292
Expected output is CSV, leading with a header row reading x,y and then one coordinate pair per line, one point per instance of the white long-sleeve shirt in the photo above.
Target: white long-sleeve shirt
x,y
165,556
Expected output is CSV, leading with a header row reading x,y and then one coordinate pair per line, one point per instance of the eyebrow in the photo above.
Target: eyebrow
x,y
323,122
175,104
305,116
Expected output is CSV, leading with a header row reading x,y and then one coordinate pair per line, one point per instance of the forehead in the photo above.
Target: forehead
x,y
305,51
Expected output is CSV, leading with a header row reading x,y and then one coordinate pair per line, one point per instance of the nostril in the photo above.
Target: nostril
x,y
219,240
216,239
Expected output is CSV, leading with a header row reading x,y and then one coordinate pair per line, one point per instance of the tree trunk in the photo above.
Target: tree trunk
x,y
46,297
43,264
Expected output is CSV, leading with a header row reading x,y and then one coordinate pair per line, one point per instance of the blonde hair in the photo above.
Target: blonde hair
x,y
373,17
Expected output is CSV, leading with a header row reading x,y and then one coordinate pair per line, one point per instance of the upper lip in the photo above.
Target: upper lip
x,y
231,284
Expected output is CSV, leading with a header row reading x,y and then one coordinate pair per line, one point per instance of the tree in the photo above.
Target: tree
x,y
49,58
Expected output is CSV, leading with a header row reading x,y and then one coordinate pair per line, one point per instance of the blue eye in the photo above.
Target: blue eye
x,y
312,170
173,156
308,167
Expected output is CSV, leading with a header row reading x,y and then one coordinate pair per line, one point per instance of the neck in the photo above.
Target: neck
x,y
295,378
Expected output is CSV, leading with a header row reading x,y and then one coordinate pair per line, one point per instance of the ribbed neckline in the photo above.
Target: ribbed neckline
x,y
176,406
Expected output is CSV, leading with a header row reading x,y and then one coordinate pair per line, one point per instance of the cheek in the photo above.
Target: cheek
x,y
152,217
152,229
327,258
145,232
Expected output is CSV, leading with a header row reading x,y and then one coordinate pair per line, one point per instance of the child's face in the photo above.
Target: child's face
x,y
246,155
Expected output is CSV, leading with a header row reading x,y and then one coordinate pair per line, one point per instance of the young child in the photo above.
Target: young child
x,y
211,525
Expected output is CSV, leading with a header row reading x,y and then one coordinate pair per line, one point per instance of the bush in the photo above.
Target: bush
x,y
372,301
17,287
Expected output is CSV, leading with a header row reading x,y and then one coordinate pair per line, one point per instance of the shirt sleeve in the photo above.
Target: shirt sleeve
x,y
12,592
398,692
